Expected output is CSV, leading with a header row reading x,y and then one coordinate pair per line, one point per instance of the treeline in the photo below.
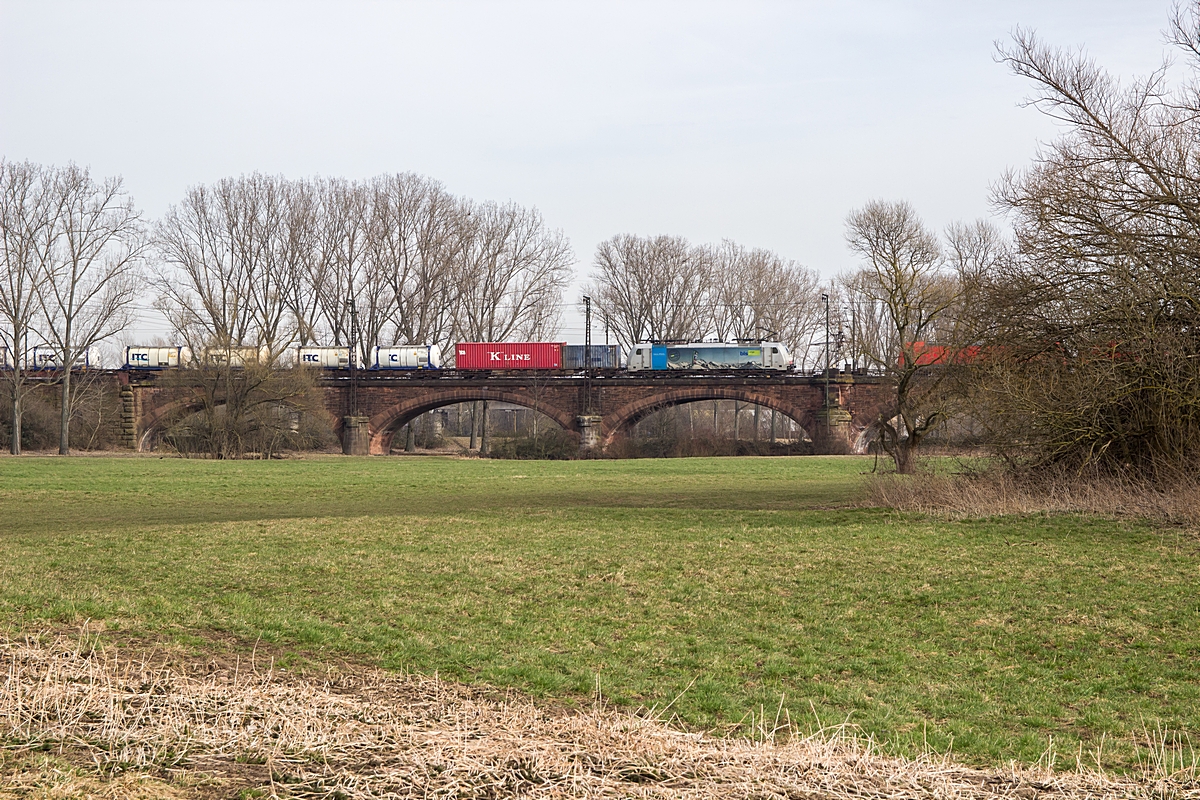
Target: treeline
x,y
266,262
665,288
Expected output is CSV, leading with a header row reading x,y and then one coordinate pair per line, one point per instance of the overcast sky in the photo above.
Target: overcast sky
x,y
765,123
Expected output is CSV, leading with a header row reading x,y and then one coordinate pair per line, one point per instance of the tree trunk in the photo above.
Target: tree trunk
x,y
716,429
474,425
737,418
757,410
772,426
484,439
15,445
64,430
410,438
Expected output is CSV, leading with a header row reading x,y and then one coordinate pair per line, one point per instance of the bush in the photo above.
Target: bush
x,y
95,416
555,444
1004,489
256,411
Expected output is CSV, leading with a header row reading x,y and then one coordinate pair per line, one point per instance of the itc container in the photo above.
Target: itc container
x,y
234,356
604,356
45,358
408,356
323,357
152,357
508,355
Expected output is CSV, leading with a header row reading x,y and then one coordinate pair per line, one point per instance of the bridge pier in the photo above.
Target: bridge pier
x,y
833,434
356,436
589,432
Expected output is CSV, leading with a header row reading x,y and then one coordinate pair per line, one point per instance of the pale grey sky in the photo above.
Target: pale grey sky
x,y
760,122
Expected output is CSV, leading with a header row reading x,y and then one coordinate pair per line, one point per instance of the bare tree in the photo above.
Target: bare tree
x,y
756,294
304,269
652,288
510,274
511,271
347,275
88,285
26,232
412,245
1097,312
224,267
904,290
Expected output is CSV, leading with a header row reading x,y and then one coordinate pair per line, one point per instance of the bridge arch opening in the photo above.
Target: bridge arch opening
x,y
386,426
158,420
734,402
720,419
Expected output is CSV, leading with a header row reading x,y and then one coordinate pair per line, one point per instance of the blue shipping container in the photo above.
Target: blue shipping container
x,y
604,356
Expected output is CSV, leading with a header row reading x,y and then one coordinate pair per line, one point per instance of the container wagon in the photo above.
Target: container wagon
x,y
604,356
701,356
153,357
408,356
508,355
323,357
45,358
234,356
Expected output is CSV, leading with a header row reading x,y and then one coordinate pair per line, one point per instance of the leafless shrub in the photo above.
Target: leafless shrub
x,y
1095,358
95,415
373,735
253,410
999,491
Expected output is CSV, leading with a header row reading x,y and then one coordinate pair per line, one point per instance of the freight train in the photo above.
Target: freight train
x,y
504,356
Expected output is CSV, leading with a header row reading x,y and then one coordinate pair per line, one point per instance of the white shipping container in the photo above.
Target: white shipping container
x,y
153,357
408,357
235,356
323,357
42,358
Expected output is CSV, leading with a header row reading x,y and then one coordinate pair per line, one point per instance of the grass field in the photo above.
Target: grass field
x,y
725,585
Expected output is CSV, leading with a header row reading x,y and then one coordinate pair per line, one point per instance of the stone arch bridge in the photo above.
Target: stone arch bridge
x,y
368,411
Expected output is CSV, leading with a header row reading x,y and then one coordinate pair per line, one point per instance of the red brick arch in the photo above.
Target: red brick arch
x,y
384,424
621,420
153,417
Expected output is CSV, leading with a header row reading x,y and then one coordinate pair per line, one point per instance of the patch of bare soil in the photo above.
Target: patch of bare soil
x,y
78,719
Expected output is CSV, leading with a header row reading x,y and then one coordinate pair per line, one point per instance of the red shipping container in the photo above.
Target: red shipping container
x,y
508,355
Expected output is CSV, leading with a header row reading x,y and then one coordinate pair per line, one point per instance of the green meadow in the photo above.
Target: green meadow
x,y
706,589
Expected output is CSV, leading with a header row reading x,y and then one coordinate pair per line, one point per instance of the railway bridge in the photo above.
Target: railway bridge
x,y
366,411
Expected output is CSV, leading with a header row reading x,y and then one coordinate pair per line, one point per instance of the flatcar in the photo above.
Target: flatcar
x,y
709,356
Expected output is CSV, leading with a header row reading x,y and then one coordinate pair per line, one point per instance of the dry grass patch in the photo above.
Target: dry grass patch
x,y
996,492
157,724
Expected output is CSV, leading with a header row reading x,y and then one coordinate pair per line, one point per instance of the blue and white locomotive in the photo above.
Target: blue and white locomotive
x,y
709,356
